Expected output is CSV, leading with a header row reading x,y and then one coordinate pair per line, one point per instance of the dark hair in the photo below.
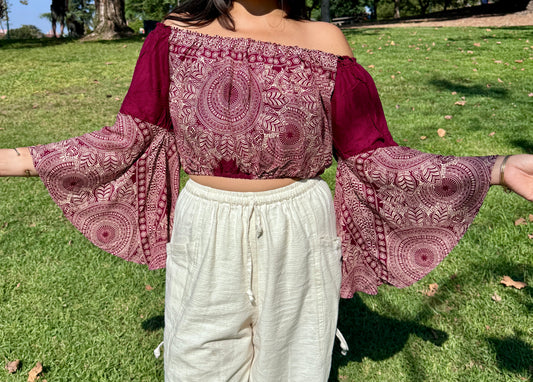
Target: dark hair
x,y
203,12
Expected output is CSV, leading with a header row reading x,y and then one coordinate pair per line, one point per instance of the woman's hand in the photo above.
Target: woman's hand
x,y
16,162
518,174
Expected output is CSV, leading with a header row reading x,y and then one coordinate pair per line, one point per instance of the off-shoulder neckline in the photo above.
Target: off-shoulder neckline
x,y
250,40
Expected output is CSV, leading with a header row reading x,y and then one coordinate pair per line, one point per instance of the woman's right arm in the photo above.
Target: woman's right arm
x,y
16,162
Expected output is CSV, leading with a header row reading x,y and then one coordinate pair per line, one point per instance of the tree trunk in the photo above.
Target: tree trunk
x,y
109,21
325,16
375,10
396,9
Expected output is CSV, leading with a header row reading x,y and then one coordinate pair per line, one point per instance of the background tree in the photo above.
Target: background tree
x,y
148,9
325,11
26,32
79,17
339,8
83,11
424,6
396,9
109,21
4,15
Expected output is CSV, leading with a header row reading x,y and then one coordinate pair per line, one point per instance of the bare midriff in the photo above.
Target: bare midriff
x,y
242,185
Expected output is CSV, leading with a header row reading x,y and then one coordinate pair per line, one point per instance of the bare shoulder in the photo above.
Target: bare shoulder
x,y
328,37
174,23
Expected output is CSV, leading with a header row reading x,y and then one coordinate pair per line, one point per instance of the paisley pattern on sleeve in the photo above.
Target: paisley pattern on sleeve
x,y
401,211
117,186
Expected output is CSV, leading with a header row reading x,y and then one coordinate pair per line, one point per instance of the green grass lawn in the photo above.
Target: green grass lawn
x,y
88,316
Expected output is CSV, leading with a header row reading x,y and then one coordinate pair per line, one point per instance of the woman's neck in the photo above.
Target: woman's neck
x,y
258,16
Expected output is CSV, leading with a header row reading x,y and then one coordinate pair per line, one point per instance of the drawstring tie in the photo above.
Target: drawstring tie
x,y
257,231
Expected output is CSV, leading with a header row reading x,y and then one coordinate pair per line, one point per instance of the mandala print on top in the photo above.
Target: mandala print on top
x,y
243,108
402,211
100,180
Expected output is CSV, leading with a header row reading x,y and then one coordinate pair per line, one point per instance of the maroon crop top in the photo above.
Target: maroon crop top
x,y
243,108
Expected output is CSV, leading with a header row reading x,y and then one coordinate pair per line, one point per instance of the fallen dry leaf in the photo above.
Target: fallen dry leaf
x,y
432,289
530,95
518,61
34,373
448,117
530,217
487,327
491,134
3,97
109,63
507,281
441,133
149,287
498,61
13,366
520,221
499,80
477,44
530,235
460,103
454,93
495,297
371,66
423,137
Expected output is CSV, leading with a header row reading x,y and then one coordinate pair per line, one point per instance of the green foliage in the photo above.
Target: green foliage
x,y
148,9
82,11
47,16
341,8
25,32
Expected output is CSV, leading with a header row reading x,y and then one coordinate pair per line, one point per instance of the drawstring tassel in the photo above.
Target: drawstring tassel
x,y
157,350
344,344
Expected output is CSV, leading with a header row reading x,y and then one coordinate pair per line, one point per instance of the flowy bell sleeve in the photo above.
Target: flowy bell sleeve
x,y
399,211
118,185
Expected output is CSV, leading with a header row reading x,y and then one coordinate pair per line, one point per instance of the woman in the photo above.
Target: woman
x,y
248,98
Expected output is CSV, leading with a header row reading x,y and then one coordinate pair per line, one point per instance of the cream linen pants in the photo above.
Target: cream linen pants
x,y
252,285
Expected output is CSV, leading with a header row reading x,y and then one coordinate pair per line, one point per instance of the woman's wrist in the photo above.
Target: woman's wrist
x,y
16,162
498,171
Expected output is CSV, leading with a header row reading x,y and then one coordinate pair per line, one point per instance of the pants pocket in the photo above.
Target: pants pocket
x,y
179,273
327,282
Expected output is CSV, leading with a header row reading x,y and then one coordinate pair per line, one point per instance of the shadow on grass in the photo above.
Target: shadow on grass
x,y
377,337
526,145
154,323
468,90
512,354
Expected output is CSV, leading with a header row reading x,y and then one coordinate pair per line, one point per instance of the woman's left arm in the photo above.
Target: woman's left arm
x,y
516,173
